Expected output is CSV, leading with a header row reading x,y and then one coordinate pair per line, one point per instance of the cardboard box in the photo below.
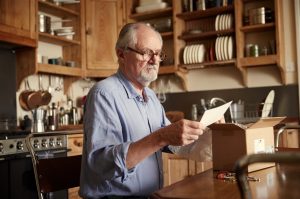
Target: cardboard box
x,y
232,141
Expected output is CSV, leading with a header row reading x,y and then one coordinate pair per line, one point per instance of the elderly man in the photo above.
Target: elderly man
x,y
125,126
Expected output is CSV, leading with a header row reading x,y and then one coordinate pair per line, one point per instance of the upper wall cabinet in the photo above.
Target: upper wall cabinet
x,y
104,19
208,35
61,24
259,35
17,22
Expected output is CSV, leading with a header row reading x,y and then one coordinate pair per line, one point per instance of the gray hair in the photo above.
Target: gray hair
x,y
127,35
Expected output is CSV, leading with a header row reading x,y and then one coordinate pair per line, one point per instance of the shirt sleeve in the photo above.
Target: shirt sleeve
x,y
104,141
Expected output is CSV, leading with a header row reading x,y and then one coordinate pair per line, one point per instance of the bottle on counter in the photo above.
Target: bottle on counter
x,y
73,117
53,117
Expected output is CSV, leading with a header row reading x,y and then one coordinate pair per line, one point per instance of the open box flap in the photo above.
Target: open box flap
x,y
267,122
226,126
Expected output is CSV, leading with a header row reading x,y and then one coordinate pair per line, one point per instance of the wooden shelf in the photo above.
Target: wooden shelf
x,y
45,37
205,13
167,69
55,10
205,35
258,61
61,70
258,27
208,64
152,14
167,35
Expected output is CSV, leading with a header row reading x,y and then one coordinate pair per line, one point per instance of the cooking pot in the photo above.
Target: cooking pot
x,y
29,99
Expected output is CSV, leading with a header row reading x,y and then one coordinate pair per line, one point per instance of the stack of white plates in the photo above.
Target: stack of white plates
x,y
149,5
224,22
193,54
66,32
224,48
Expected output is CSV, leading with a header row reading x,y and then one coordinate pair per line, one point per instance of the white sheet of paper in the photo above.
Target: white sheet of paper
x,y
212,115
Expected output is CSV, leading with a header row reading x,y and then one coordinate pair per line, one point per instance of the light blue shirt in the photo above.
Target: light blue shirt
x,y
115,116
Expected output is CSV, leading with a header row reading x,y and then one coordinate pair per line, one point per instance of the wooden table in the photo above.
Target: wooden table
x,y
276,182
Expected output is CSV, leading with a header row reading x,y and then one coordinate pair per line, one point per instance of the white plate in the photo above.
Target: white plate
x,y
196,53
268,104
188,54
221,51
217,22
227,22
184,54
192,54
201,53
221,22
216,48
230,48
225,47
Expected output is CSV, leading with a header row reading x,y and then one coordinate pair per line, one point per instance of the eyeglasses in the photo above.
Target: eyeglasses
x,y
148,54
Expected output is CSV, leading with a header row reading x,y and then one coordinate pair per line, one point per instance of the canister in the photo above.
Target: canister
x,y
254,50
44,23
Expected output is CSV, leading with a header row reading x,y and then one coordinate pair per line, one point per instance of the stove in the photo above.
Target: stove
x,y
16,169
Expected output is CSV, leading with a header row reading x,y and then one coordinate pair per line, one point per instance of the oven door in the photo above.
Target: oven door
x,y
17,178
63,194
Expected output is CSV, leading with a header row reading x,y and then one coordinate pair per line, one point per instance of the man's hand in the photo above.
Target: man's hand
x,y
182,132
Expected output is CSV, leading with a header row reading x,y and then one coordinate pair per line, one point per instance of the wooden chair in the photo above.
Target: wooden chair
x,y
279,157
54,174
279,135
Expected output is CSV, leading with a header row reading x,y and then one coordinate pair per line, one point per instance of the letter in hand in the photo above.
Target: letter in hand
x,y
183,132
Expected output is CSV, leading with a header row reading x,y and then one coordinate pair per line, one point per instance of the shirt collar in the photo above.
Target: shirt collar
x,y
131,92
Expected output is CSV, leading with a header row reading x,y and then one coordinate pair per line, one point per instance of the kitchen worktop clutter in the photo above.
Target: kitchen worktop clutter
x,y
50,118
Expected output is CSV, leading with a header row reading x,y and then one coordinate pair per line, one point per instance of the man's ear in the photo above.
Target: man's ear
x,y
120,53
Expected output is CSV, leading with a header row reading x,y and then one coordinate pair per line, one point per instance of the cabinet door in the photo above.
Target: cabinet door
x,y
177,168
103,22
17,22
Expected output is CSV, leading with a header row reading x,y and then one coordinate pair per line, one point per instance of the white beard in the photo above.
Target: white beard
x,y
148,75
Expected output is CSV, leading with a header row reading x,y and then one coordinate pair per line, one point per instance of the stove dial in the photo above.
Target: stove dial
x,y
59,142
36,144
51,142
44,143
20,146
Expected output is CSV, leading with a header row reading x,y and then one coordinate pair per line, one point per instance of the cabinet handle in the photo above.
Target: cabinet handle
x,y
77,143
88,31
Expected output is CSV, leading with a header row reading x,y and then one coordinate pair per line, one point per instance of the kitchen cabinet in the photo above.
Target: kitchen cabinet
x,y
17,22
211,28
75,143
259,23
177,168
69,15
104,19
